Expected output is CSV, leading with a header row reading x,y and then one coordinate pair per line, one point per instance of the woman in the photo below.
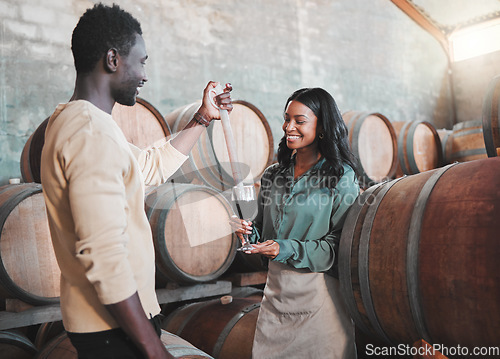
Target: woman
x,y
302,206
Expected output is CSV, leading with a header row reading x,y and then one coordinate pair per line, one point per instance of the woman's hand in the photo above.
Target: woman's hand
x,y
269,249
240,227
207,110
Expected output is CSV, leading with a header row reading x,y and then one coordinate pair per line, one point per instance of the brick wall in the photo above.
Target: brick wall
x,y
370,58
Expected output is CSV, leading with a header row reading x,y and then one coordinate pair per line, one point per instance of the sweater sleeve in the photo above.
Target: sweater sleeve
x,y
95,167
158,163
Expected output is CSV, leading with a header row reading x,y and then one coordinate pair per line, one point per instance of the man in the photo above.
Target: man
x,y
93,182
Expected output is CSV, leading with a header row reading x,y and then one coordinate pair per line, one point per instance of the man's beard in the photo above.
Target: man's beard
x,y
127,95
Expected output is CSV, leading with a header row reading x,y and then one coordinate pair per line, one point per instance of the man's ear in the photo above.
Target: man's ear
x,y
112,57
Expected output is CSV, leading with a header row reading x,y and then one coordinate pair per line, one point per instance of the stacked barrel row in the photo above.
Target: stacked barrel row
x,y
388,150
419,254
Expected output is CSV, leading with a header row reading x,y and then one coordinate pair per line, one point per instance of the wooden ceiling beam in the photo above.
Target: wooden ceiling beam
x,y
424,21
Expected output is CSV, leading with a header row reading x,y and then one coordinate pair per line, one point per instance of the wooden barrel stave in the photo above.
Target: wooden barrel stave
x,y
47,331
177,120
491,118
373,142
468,280
253,137
180,348
14,345
193,239
350,279
31,156
383,289
222,330
209,162
419,147
142,125
426,263
239,333
444,135
28,267
466,143
59,347
208,166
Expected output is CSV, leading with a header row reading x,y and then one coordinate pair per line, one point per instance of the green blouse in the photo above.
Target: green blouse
x,y
305,216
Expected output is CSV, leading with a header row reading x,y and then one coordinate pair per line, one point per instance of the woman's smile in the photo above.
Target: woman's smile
x,y
299,126
293,137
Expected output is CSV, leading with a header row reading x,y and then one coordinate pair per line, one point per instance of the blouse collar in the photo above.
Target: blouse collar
x,y
311,171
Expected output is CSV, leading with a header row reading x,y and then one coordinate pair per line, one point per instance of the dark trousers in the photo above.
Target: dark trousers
x,y
109,344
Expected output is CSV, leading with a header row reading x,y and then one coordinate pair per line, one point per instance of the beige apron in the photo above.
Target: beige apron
x,y
302,315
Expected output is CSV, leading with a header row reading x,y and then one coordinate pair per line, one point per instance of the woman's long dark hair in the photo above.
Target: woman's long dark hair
x,y
334,144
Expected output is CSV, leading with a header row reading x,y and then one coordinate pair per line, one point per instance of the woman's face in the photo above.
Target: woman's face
x,y
300,126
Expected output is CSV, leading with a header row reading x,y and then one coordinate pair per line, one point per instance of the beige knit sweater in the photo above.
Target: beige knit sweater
x,y
93,182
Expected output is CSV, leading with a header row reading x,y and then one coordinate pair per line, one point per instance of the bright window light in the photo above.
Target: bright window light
x,y
470,43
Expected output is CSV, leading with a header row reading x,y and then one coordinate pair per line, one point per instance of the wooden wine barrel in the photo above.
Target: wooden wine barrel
x,y
466,143
373,141
221,330
444,134
180,348
31,155
193,239
47,331
61,348
419,147
28,266
419,257
141,124
209,162
15,345
491,120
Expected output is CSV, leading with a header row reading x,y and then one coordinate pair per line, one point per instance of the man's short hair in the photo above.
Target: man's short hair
x,y
99,29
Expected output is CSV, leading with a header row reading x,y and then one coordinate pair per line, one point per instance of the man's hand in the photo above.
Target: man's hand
x,y
186,139
130,316
223,101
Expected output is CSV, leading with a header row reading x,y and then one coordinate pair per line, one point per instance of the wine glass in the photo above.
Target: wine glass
x,y
245,201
